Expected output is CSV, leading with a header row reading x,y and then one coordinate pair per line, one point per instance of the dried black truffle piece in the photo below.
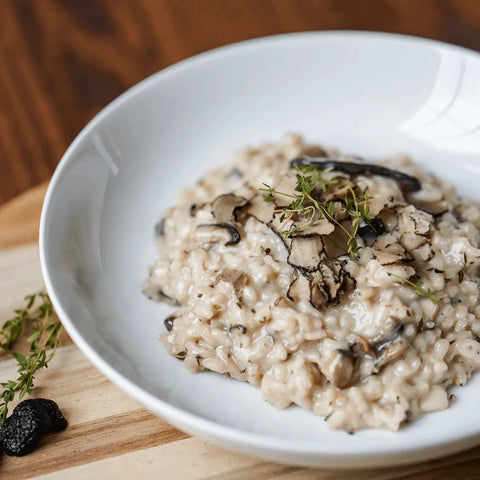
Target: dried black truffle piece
x,y
30,420
24,428
407,182
57,420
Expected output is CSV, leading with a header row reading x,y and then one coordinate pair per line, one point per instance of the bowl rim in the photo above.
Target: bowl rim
x,y
185,420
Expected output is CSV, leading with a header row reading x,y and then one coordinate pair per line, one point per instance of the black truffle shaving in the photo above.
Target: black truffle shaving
x,y
406,181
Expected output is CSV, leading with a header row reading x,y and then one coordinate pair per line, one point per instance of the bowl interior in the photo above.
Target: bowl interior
x,y
374,95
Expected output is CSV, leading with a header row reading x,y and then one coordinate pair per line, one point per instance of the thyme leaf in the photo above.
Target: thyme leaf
x,y
305,205
44,334
419,288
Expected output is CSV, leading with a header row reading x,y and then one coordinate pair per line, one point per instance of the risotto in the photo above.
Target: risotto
x,y
343,286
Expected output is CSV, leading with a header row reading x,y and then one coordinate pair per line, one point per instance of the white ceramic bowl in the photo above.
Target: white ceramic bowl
x,y
374,94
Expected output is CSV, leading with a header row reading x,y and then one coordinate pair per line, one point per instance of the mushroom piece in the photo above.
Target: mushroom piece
x,y
385,350
305,253
407,183
216,232
224,207
168,322
299,289
387,251
338,369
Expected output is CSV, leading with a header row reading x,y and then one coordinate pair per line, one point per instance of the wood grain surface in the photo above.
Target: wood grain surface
x,y
112,436
61,61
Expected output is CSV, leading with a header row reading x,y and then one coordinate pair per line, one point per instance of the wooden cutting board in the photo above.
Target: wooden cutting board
x,y
112,436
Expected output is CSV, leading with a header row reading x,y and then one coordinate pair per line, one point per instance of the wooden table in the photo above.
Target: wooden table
x,y
61,61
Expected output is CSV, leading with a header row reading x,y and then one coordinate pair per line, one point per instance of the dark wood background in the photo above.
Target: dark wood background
x,y
61,61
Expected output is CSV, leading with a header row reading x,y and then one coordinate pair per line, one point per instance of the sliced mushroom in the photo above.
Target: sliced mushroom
x,y
391,347
305,253
385,350
224,207
217,232
393,336
338,369
299,289
168,322
407,183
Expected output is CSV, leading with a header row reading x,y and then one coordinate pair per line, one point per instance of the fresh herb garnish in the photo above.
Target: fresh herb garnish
x,y
305,205
419,289
43,342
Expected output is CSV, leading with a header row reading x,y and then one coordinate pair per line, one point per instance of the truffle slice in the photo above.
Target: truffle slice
x,y
224,207
387,251
328,284
260,209
287,184
320,227
299,289
305,253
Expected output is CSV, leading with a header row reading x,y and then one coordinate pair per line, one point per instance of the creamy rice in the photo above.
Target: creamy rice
x,y
341,334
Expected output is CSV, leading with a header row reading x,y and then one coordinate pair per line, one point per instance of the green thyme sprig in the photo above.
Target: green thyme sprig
x,y
419,289
43,341
304,204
